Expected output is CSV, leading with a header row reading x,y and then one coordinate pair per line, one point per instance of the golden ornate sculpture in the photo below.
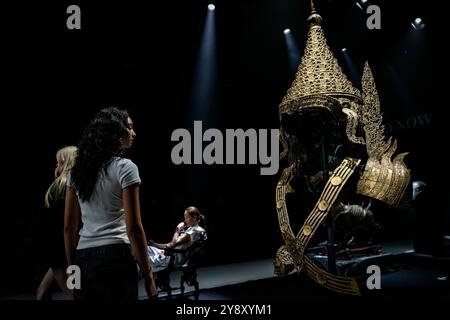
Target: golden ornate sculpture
x,y
320,85
382,179
319,81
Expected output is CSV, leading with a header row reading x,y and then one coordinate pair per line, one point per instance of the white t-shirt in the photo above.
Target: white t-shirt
x,y
195,233
103,215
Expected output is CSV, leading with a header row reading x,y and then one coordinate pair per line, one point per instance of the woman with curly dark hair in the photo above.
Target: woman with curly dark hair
x,y
103,191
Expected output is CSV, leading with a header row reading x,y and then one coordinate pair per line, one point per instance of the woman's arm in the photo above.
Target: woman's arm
x,y
157,245
179,230
72,214
175,236
136,235
176,241
184,238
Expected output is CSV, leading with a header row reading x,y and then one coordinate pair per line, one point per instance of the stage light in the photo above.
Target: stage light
x,y
350,67
203,97
418,24
363,1
293,50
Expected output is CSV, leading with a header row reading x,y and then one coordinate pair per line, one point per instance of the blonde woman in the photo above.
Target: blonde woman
x,y
54,252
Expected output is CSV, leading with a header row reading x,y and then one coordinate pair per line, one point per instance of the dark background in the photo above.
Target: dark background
x,y
143,58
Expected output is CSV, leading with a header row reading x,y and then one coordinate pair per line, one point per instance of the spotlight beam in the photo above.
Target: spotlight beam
x,y
204,93
292,50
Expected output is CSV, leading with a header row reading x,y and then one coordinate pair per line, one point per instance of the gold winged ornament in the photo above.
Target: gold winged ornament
x,y
321,84
383,179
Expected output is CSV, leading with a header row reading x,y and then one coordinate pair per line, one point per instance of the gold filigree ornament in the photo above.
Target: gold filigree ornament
x,y
319,81
320,84
291,255
382,179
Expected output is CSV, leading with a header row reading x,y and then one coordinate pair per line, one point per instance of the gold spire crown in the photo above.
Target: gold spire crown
x,y
319,81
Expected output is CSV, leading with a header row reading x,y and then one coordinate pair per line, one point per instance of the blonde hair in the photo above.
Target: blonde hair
x,y
66,159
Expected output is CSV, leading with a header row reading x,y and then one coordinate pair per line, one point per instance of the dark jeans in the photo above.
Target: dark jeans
x,y
107,273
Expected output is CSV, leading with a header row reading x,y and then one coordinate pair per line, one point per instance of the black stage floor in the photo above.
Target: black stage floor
x,y
405,275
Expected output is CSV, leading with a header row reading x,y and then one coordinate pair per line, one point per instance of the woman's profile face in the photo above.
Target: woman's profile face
x,y
127,140
188,220
59,165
